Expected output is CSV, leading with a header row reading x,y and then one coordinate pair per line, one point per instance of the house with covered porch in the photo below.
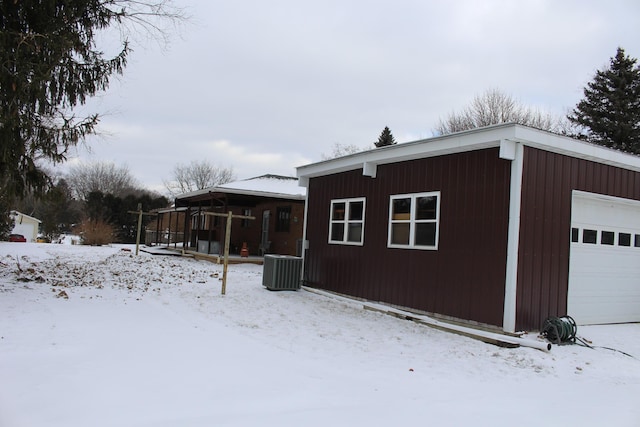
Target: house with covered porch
x,y
197,221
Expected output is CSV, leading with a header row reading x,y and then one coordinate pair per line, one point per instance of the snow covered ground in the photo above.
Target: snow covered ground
x,y
95,336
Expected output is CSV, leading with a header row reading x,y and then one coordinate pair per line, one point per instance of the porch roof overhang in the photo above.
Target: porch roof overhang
x,y
232,197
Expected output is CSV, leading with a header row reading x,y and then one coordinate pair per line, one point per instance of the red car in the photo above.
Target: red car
x,y
17,238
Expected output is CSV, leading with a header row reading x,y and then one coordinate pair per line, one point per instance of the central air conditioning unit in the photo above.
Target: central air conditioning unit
x,y
281,272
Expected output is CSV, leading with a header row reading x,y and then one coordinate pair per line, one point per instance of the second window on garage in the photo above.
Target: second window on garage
x,y
414,220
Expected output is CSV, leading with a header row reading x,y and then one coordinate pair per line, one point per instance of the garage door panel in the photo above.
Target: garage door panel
x,y
592,210
604,279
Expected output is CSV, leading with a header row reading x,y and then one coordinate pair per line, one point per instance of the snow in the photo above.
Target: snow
x,y
270,184
149,341
265,185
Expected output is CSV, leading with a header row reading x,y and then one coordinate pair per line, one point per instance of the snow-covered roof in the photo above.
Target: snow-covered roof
x,y
276,186
15,214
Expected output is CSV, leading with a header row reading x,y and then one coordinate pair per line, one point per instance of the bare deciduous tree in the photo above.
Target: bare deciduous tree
x,y
494,107
197,175
339,150
105,177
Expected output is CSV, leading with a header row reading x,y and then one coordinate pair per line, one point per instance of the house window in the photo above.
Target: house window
x,y
414,220
283,218
244,222
346,225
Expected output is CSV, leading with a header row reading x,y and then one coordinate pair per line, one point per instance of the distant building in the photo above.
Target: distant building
x,y
276,202
26,225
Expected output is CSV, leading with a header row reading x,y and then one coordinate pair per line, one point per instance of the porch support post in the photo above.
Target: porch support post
x,y
169,231
158,222
186,235
305,242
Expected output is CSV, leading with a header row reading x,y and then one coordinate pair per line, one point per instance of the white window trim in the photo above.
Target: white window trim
x,y
412,221
346,220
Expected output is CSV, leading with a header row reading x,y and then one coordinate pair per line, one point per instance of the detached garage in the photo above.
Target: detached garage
x,y
26,225
502,226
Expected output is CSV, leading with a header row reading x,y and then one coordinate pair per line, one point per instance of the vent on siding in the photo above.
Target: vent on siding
x,y
281,272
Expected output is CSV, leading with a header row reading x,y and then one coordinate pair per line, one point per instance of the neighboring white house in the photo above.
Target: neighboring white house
x,y
25,225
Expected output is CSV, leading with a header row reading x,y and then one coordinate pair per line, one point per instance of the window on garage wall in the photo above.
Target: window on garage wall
x,y
414,220
346,222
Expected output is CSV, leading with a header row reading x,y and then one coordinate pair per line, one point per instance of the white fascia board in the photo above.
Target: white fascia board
x,y
574,148
476,139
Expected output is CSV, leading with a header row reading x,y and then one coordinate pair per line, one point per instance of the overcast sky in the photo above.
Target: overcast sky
x,y
265,86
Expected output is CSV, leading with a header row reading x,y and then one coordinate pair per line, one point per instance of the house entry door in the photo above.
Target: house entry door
x,y
264,242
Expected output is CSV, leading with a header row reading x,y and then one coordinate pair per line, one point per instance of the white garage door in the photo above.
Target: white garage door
x,y
28,230
604,263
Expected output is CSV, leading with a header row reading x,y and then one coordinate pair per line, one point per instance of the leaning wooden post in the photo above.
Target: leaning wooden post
x,y
139,213
139,227
227,242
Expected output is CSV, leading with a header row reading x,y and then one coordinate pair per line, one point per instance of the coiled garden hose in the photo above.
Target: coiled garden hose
x,y
563,330
560,330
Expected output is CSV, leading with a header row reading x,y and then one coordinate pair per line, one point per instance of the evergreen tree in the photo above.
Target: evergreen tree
x,y
385,138
57,210
609,114
6,223
114,210
50,64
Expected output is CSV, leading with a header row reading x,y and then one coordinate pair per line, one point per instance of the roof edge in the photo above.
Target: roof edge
x,y
15,212
475,139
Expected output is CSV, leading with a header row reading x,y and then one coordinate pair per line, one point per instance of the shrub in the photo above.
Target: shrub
x,y
96,232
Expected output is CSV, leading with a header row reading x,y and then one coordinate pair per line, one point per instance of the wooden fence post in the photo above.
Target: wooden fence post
x,y
139,213
227,243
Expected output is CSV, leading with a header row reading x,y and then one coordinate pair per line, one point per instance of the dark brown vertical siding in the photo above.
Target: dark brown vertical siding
x,y
545,222
464,278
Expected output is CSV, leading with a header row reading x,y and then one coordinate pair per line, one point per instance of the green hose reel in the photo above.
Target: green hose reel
x,y
560,330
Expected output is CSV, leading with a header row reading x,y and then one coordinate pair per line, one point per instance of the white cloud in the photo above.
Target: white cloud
x,y
265,87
